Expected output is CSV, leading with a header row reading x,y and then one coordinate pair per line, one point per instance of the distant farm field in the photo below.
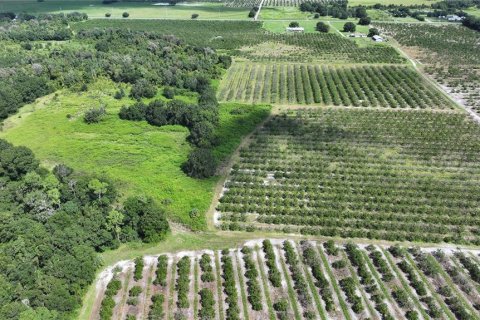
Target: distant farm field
x,y
382,174
136,10
250,41
377,86
140,158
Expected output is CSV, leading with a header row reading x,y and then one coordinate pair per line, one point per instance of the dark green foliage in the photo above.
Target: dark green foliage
x,y
201,163
135,291
373,32
294,24
94,115
348,286
156,309
106,309
125,15
349,27
15,161
168,92
144,219
135,112
161,273
322,27
207,302
273,273
119,94
142,88
253,286
472,22
300,284
365,21
183,282
138,271
233,311
206,267
52,225
312,259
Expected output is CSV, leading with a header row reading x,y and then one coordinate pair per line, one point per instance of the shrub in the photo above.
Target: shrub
x,y
125,14
168,92
322,27
201,163
195,16
142,88
364,21
349,27
294,24
94,115
135,112
373,32
108,15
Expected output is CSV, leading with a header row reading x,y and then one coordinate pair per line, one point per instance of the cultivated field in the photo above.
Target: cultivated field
x,y
449,53
275,279
377,86
382,174
250,41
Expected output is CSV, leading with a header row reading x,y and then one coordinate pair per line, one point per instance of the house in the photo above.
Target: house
x,y
454,18
295,29
377,38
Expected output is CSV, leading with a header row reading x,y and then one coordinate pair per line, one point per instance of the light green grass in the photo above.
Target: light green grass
x,y
473,12
137,157
137,10
339,26
281,26
283,13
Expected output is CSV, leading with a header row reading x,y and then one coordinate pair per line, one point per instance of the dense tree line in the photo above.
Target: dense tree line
x,y
52,226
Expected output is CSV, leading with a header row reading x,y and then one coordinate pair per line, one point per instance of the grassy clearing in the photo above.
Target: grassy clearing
x,y
137,10
280,13
137,157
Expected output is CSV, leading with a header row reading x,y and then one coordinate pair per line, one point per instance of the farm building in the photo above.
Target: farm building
x,y
295,29
454,18
377,38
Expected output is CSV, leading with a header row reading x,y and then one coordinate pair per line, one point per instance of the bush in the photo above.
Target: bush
x,y
135,112
143,89
108,15
195,16
169,92
373,32
349,27
125,14
322,27
201,163
365,21
94,115
294,24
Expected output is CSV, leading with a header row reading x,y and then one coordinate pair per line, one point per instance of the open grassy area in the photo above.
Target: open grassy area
x,y
140,158
280,13
137,10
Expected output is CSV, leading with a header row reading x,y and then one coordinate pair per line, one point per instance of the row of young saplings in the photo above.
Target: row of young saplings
x,y
366,86
275,279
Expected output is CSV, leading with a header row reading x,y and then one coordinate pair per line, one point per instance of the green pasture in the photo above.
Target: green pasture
x,y
282,13
137,157
137,10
